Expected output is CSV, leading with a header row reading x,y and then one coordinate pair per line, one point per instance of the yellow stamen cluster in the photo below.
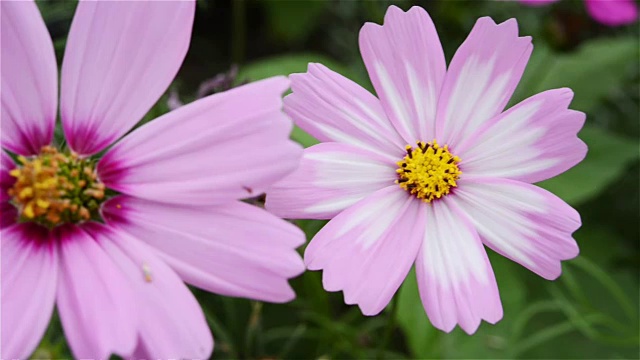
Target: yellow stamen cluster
x,y
428,171
54,188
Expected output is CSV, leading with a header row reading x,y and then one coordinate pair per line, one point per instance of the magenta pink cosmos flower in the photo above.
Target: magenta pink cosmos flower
x,y
114,264
607,12
431,170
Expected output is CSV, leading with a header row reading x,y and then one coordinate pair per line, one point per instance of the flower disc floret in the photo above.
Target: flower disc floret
x,y
53,188
428,171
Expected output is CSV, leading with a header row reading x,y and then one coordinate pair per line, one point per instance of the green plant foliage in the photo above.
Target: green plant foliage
x,y
287,64
302,137
421,336
595,70
292,20
608,157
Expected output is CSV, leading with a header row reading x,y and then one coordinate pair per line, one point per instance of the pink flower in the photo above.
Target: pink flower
x,y
114,267
431,170
607,12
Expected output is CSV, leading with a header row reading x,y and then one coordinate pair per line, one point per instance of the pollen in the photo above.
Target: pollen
x,y
428,171
53,188
146,272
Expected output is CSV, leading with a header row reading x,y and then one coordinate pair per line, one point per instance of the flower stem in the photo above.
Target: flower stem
x,y
391,324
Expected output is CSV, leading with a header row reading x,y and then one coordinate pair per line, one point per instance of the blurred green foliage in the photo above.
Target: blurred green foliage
x,y
590,312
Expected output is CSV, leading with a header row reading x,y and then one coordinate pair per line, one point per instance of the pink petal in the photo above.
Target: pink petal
x,y
172,324
333,108
533,141
368,249
232,249
406,64
95,301
120,57
141,352
482,76
6,180
8,212
29,277
224,147
613,12
527,224
331,177
29,79
455,279
537,2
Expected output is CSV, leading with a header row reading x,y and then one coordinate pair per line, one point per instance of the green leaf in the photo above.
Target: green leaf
x,y
413,320
592,72
293,20
608,157
549,333
597,271
302,137
286,65
534,73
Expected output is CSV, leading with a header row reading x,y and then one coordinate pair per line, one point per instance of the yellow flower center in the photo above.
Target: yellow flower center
x,y
55,188
428,171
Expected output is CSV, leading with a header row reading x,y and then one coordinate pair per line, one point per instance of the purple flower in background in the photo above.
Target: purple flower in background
x,y
431,169
608,12
114,264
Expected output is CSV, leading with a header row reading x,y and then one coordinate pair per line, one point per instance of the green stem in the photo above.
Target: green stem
x,y
391,324
223,337
253,329
607,281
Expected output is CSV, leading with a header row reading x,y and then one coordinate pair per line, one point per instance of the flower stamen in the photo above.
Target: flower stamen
x,y
428,171
54,188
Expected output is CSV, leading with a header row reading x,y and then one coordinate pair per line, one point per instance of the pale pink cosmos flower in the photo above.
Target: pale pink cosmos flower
x,y
431,170
115,268
607,12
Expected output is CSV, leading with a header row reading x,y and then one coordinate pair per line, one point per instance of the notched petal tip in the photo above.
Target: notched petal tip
x,y
485,21
563,92
508,26
392,12
511,24
552,275
367,311
298,234
581,116
286,297
496,317
418,9
314,66
395,11
368,27
582,150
